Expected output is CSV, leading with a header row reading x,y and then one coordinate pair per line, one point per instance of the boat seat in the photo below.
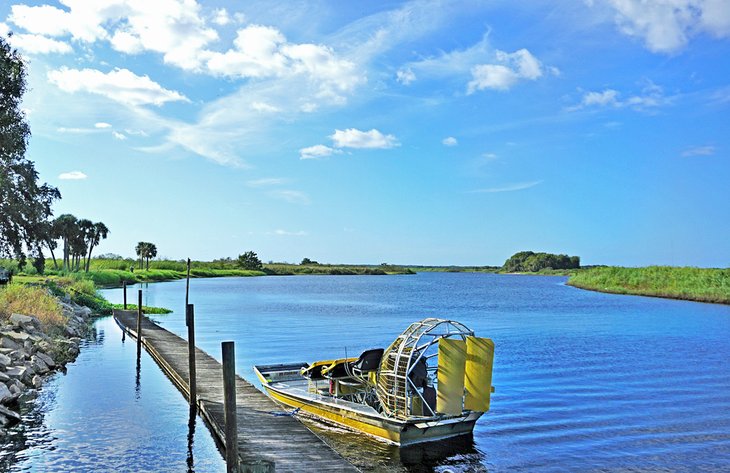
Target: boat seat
x,y
368,361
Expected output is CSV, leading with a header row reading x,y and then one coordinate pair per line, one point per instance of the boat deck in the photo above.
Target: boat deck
x,y
279,440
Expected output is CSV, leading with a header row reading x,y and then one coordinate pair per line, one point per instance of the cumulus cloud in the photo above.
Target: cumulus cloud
x,y
317,152
39,44
449,141
667,26
72,176
405,76
512,68
354,138
102,125
120,85
699,151
264,107
651,97
119,136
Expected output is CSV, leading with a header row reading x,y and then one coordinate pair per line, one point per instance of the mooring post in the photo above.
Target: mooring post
x,y
139,321
124,285
229,405
190,317
187,292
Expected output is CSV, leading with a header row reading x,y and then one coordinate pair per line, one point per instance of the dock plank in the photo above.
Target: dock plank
x,y
283,440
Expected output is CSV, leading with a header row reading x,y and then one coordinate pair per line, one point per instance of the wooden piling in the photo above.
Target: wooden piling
x,y
229,405
190,316
139,322
124,285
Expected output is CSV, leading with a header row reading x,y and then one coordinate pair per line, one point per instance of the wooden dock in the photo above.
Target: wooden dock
x,y
264,440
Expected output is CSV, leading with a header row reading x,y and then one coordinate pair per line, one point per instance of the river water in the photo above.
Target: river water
x,y
584,381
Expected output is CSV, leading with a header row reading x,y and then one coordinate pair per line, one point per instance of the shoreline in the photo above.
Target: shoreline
x,y
628,292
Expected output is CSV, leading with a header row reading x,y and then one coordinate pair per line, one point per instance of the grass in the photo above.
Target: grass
x,y
334,269
31,300
696,284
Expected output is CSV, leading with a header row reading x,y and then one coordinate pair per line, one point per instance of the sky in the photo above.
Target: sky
x,y
406,132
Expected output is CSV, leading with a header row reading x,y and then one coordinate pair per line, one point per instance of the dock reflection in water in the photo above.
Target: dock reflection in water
x,y
100,417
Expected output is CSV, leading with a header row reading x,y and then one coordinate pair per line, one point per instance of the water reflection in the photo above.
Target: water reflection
x,y
191,437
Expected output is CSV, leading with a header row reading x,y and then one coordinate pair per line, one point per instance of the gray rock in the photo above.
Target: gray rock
x,y
71,331
26,322
4,378
39,366
15,387
37,381
5,360
17,337
5,394
46,359
29,347
83,312
8,417
18,356
20,373
7,342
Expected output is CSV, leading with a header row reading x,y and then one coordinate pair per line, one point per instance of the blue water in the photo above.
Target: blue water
x,y
584,381
109,414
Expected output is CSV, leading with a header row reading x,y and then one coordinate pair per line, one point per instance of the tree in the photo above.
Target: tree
x,y
98,232
145,250
66,225
249,260
24,203
307,261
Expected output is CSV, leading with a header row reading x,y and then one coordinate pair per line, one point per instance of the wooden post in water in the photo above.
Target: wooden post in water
x,y
229,406
187,294
124,285
139,321
190,316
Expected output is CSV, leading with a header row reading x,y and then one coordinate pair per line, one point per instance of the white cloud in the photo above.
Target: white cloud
x,y
221,17
291,196
288,233
266,182
74,130
512,68
102,125
666,26
699,151
354,138
34,43
173,28
317,152
120,85
72,175
119,136
449,141
509,188
405,76
264,107
489,156
651,97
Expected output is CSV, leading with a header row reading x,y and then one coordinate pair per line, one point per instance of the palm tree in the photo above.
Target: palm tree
x,y
83,231
145,251
98,232
65,226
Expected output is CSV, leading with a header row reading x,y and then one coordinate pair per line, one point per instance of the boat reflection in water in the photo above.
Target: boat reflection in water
x,y
432,383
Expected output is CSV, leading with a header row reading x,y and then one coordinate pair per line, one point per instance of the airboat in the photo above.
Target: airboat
x,y
433,382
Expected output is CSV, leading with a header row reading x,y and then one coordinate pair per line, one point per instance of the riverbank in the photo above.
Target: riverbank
x,y
693,284
39,334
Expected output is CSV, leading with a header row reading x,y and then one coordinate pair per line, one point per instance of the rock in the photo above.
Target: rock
x,y
8,417
5,394
44,346
37,381
83,312
39,366
4,378
20,373
15,387
46,359
18,356
7,342
17,337
26,322
71,331
29,347
5,361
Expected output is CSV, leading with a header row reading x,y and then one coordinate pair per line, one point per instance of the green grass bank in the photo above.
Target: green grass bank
x,y
694,284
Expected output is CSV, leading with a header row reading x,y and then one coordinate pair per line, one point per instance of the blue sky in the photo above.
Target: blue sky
x,y
423,132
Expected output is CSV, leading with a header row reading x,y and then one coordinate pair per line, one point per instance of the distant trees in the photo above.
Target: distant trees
x,y
145,250
528,261
307,261
25,204
249,260
97,232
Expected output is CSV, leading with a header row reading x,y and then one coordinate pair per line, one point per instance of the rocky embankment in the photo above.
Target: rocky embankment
x,y
28,353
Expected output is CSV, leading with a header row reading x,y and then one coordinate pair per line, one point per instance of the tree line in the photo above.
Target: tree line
x,y
530,262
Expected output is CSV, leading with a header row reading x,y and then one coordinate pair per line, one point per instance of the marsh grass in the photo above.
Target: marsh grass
x,y
696,284
31,300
